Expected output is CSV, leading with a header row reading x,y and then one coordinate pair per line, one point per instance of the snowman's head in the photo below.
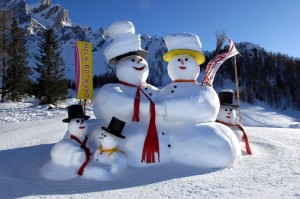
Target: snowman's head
x,y
226,114
77,127
132,69
183,67
108,141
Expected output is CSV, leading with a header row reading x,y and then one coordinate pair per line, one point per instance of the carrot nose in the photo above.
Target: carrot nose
x,y
139,61
81,122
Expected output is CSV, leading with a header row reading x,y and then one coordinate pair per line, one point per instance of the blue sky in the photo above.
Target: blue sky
x,y
274,25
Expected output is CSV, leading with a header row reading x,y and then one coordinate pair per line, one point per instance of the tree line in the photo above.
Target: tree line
x,y
50,84
264,76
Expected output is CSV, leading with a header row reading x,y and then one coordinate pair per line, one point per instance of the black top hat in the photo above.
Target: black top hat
x,y
226,98
115,127
75,111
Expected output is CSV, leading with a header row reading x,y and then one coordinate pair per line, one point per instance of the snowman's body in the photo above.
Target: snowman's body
x,y
190,112
227,116
133,145
187,102
68,152
109,156
204,145
117,99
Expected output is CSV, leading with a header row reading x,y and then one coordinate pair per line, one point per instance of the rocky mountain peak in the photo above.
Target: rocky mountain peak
x,y
46,2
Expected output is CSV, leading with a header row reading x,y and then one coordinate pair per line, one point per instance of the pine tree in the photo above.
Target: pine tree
x,y
18,71
51,83
5,20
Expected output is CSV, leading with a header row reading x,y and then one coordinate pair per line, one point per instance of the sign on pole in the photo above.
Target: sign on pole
x,y
83,70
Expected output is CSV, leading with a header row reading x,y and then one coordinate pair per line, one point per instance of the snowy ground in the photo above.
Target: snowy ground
x,y
28,133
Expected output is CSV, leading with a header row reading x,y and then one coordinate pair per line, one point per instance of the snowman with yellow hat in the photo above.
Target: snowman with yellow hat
x,y
185,98
191,109
131,99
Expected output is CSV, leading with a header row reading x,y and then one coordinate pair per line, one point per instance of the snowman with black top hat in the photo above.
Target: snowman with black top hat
x,y
73,151
227,116
71,157
108,153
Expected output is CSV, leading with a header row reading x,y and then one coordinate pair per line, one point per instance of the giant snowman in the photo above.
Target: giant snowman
x,y
175,123
191,109
131,100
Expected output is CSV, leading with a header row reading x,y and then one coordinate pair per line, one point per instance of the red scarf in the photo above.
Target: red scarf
x,y
151,143
244,138
87,153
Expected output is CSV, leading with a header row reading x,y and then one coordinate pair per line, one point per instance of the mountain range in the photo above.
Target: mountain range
x,y
37,17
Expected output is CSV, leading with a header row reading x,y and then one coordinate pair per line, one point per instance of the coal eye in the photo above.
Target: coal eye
x,y
77,121
186,59
141,59
178,59
104,135
132,60
225,109
230,109
82,120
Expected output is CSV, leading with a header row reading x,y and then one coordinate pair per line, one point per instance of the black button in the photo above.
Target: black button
x,y
150,94
175,86
146,88
172,91
169,145
163,133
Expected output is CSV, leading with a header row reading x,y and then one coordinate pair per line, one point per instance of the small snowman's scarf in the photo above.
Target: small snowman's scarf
x,y
87,153
110,151
151,143
244,138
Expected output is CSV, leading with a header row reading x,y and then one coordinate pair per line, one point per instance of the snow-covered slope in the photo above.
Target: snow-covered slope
x,y
28,133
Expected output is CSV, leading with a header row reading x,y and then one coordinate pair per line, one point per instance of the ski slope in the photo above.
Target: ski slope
x,y
273,171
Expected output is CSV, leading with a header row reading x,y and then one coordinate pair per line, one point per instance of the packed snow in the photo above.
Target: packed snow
x,y
271,172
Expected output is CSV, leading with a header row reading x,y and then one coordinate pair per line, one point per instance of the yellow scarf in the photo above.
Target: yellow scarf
x,y
110,151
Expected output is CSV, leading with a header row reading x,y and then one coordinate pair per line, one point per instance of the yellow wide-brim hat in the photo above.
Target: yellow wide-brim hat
x,y
184,43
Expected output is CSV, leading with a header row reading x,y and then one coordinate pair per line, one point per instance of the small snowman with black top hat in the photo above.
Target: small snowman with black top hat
x,y
227,116
73,151
108,153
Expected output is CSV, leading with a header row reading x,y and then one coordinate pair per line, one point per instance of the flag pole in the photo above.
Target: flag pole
x,y
237,90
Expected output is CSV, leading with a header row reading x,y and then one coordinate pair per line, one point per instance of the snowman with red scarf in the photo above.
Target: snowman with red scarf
x,y
191,109
73,151
227,116
131,100
71,156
